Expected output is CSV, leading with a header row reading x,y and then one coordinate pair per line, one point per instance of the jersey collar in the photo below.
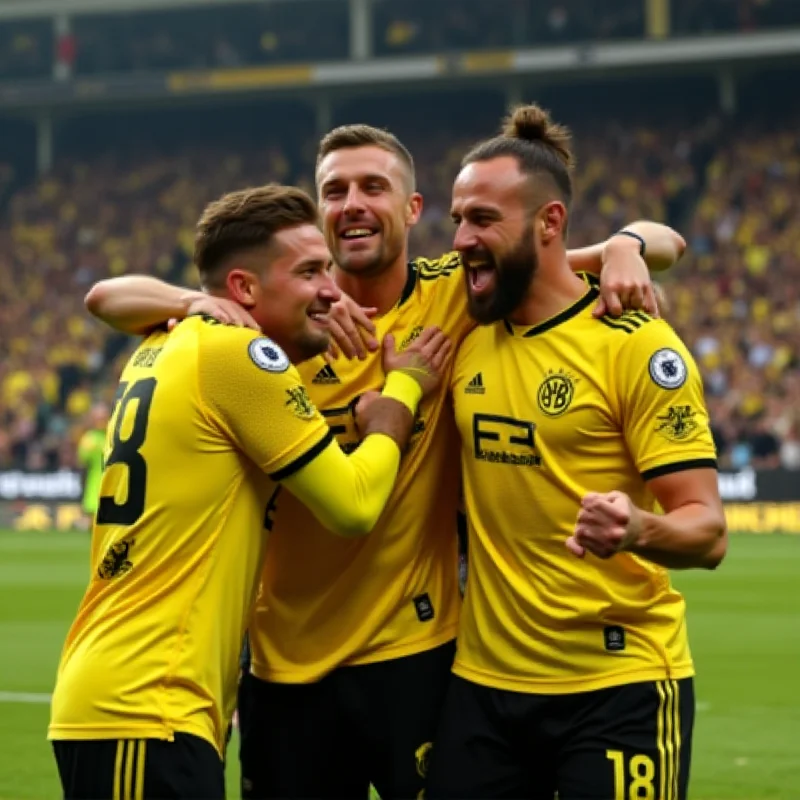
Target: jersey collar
x,y
411,282
563,316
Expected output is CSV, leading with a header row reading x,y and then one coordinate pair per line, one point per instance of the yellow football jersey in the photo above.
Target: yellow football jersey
x,y
547,414
325,601
206,418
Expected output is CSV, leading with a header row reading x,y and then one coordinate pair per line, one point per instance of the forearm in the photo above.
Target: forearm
x,y
691,537
351,504
136,304
663,247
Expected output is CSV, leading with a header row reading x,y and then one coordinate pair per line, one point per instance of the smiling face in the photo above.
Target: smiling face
x,y
367,207
495,236
288,289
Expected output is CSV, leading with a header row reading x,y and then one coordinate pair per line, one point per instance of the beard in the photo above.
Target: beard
x,y
368,263
513,275
310,344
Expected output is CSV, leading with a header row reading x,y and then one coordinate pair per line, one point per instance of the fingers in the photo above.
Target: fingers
x,y
353,328
388,344
365,326
613,302
603,510
635,298
347,338
439,358
332,353
575,548
650,304
249,322
600,308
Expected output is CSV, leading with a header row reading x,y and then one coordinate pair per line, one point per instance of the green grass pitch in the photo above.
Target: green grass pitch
x,y
744,622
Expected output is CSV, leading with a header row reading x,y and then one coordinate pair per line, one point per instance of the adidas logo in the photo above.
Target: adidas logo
x,y
326,375
475,386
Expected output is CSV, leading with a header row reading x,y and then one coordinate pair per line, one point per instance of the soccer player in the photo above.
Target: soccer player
x,y
573,673
208,420
90,456
352,641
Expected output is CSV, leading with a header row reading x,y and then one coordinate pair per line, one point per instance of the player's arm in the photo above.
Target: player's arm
x,y
659,245
624,263
260,402
666,426
136,304
345,493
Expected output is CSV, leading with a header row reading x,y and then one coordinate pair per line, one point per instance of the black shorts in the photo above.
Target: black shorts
x,y
362,725
630,741
187,768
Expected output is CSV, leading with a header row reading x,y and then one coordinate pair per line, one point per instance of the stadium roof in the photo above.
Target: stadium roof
x,y
47,8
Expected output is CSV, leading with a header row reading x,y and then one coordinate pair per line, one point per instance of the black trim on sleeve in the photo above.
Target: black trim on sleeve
x,y
304,459
679,466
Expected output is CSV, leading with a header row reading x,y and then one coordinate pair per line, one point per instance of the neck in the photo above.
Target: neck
x,y
554,287
381,290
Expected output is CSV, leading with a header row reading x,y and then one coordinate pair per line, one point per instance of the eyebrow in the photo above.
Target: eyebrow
x,y
370,176
314,263
474,211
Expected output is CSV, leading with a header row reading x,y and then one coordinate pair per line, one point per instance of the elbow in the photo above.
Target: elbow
x,y
95,299
719,547
680,245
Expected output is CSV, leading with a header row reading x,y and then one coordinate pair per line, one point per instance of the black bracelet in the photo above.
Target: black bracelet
x,y
642,243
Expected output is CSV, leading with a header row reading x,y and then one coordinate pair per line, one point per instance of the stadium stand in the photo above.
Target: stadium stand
x,y
125,189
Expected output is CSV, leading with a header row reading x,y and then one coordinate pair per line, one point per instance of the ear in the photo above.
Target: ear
x,y
242,287
551,222
414,208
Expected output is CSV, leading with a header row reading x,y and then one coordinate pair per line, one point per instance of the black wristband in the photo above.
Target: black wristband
x,y
642,243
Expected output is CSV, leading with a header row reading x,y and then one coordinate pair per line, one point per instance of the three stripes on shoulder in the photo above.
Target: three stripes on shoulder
x,y
629,322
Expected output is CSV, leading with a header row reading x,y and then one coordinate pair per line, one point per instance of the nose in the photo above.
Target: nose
x,y
465,238
328,290
353,203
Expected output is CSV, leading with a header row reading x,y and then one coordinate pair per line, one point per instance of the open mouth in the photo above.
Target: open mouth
x,y
481,275
358,234
320,317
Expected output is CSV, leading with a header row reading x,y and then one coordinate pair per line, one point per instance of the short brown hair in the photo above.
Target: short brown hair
x,y
246,219
351,136
540,146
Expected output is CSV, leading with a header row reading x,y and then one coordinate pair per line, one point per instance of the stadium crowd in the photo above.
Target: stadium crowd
x,y
734,197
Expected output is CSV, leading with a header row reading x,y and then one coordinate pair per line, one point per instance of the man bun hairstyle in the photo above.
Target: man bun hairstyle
x,y
245,220
533,124
541,147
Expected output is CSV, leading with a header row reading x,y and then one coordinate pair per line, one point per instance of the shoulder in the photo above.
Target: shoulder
x,y
431,269
233,347
653,345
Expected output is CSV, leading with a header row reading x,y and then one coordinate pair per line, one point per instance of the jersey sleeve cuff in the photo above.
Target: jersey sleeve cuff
x,y
679,466
301,460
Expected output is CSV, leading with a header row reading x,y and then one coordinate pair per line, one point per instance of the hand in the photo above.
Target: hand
x,y
352,329
225,311
361,411
624,280
424,359
606,524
